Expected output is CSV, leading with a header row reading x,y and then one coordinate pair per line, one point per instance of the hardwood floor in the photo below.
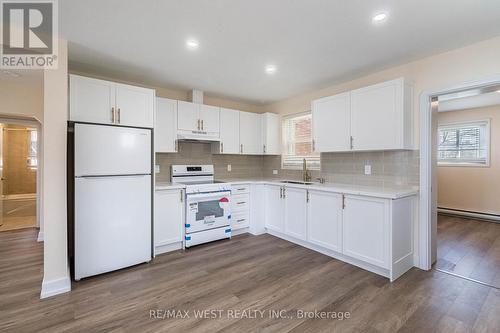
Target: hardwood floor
x,y
469,248
248,272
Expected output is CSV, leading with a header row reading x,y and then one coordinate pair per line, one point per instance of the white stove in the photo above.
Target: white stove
x,y
208,204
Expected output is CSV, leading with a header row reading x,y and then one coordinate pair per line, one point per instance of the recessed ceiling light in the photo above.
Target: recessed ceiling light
x,y
379,17
270,69
192,44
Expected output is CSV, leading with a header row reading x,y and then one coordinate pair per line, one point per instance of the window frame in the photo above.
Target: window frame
x,y
284,141
465,123
32,156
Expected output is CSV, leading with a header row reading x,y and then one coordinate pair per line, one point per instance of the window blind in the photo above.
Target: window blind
x,y
465,143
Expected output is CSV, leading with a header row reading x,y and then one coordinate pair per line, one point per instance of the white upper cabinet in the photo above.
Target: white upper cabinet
x,y
104,102
229,132
331,123
91,100
295,212
134,105
381,116
209,117
198,118
188,116
325,219
271,138
166,126
250,133
377,117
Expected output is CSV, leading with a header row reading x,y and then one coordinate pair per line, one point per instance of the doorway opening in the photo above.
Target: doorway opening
x,y
18,172
464,179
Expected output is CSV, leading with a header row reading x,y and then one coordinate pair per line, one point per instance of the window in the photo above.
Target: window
x,y
464,143
297,142
32,149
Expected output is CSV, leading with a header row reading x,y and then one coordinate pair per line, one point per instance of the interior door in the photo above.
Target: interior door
x,y
324,220
188,116
166,125
274,208
111,150
365,230
331,123
135,106
295,212
229,131
209,116
112,223
91,100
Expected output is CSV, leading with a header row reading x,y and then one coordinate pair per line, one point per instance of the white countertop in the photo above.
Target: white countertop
x,y
395,192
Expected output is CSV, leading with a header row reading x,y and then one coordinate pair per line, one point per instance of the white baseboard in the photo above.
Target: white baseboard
x,y
55,287
168,248
40,236
481,216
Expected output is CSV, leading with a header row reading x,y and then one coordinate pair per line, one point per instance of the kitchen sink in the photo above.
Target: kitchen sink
x,y
296,182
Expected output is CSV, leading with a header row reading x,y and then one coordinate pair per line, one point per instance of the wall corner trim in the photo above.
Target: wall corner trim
x,y
40,236
55,287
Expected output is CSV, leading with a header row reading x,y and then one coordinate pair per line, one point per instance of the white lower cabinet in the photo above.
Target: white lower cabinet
x,y
366,229
295,212
168,220
274,208
324,219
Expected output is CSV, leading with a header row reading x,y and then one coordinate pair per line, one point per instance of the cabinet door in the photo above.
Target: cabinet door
x,y
91,100
135,105
271,131
209,116
376,116
229,131
295,212
188,116
166,126
331,123
274,208
168,216
250,133
324,220
365,230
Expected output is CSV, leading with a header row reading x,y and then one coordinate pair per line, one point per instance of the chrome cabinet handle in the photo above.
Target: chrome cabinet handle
x,y
182,196
222,147
241,148
343,201
240,220
352,142
176,145
202,125
119,117
284,192
314,145
264,149
112,114
307,195
281,192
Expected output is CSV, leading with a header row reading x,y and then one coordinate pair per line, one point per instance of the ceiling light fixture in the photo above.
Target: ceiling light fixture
x,y
379,17
270,69
192,44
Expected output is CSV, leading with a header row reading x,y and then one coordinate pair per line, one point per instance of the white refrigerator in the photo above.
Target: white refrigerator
x,y
112,198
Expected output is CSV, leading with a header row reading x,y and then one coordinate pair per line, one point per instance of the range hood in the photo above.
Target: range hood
x,y
196,136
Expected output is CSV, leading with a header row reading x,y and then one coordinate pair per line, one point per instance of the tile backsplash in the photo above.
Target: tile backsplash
x,y
388,168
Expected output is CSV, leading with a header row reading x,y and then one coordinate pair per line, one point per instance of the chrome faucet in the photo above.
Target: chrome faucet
x,y
306,175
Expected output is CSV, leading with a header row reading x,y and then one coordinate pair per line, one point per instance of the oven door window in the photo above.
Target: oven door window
x,y
209,209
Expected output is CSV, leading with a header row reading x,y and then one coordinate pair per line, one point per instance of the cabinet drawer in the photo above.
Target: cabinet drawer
x,y
240,220
240,189
240,202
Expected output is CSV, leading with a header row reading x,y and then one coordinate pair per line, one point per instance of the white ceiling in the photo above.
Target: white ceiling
x,y
313,43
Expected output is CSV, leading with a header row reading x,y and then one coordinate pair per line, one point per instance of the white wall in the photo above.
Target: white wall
x,y
56,271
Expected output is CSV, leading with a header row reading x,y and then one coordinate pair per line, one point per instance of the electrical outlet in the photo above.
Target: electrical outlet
x,y
157,168
229,168
368,169
275,172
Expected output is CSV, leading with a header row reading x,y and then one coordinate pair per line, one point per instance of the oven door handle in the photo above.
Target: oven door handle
x,y
194,197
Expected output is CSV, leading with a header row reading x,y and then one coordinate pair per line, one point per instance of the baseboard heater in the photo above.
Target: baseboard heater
x,y
467,213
